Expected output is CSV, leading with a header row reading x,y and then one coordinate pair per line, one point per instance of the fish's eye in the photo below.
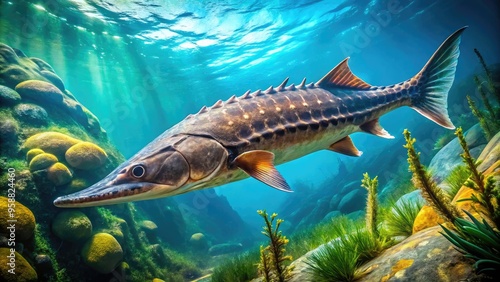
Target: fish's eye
x,y
138,171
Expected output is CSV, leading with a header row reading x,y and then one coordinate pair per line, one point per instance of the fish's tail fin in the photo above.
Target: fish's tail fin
x,y
435,80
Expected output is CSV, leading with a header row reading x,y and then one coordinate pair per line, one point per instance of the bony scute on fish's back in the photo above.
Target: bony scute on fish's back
x,y
249,135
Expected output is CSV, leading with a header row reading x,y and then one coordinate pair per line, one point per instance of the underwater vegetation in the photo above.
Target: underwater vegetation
x,y
399,220
272,257
489,119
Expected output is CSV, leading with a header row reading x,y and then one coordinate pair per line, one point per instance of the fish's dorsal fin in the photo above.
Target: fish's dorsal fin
x,y
259,164
375,128
342,76
346,147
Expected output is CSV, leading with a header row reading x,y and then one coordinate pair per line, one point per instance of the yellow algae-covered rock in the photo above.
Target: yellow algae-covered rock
x,y
51,142
32,153
72,226
158,280
59,174
40,91
25,224
14,261
102,252
86,155
426,217
42,161
198,241
77,184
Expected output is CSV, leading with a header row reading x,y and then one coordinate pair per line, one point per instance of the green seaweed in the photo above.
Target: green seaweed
x,y
478,241
422,180
276,248
239,268
485,187
456,179
399,219
371,204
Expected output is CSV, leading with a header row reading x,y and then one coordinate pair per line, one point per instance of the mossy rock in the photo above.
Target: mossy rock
x,y
77,184
42,161
158,280
59,174
22,269
8,96
31,114
102,252
32,153
198,241
25,224
9,129
148,226
426,217
86,156
72,226
54,78
44,93
51,142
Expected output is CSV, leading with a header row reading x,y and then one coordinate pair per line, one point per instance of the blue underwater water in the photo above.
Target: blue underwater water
x,y
142,66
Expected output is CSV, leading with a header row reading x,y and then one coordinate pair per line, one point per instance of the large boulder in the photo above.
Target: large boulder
x,y
102,252
353,201
51,142
42,92
449,156
23,271
42,161
25,220
86,155
8,96
72,226
31,114
59,174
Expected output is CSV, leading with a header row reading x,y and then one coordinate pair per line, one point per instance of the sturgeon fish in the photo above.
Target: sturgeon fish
x,y
251,134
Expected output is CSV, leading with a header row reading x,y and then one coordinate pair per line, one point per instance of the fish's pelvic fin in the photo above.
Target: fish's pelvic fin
x,y
435,80
346,147
342,76
375,128
259,164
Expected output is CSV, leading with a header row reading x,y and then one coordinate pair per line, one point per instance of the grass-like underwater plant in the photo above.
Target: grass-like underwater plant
x,y
422,180
274,255
339,259
239,268
400,217
456,179
487,196
478,241
371,203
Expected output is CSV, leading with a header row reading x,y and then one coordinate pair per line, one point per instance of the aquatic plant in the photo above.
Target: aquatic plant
x,y
371,203
338,260
334,262
264,267
398,220
478,241
422,180
239,268
456,179
486,195
488,119
276,248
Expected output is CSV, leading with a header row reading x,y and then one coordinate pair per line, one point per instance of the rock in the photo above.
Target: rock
x,y
43,263
54,78
51,142
31,114
59,174
44,93
12,75
158,280
149,227
7,55
8,96
226,248
426,217
32,153
8,132
490,154
351,186
102,252
353,201
331,215
42,65
422,257
23,270
86,155
77,184
449,156
25,224
334,202
198,241
72,226
42,161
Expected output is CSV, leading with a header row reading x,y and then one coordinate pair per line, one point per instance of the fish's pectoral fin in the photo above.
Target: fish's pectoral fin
x,y
342,76
374,127
259,164
346,147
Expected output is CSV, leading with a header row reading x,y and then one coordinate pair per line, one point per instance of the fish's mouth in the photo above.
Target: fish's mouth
x,y
103,194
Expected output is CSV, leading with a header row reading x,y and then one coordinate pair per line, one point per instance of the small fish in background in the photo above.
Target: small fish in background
x,y
248,135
